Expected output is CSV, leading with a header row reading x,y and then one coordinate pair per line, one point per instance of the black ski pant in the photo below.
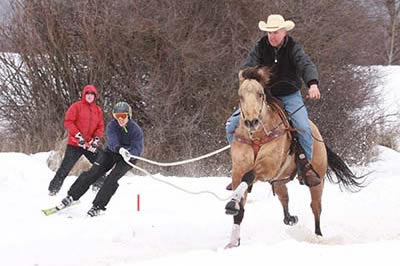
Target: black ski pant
x,y
106,161
71,156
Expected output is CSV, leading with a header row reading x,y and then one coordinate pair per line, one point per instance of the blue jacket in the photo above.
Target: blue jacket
x,y
129,137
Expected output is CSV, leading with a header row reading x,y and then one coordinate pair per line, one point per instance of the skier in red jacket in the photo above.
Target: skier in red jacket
x,y
85,124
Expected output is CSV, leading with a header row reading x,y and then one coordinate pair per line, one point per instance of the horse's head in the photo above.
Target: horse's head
x,y
252,96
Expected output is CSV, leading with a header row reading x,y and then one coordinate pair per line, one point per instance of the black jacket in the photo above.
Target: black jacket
x,y
289,63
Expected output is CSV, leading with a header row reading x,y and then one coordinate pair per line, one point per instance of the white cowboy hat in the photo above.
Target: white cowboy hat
x,y
274,23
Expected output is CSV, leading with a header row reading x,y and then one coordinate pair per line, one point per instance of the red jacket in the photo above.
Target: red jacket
x,y
84,117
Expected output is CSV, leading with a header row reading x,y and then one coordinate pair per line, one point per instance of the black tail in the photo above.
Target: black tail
x,y
344,176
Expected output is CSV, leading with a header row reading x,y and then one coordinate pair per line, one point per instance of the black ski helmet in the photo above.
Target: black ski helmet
x,y
123,107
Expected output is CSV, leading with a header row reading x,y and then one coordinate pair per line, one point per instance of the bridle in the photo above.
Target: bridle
x,y
259,117
270,135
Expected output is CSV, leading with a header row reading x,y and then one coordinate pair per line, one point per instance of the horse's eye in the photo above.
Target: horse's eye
x,y
260,95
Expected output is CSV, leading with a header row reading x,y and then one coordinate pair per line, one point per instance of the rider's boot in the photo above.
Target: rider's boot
x,y
305,171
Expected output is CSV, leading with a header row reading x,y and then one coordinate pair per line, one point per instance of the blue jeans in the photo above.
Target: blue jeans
x,y
299,119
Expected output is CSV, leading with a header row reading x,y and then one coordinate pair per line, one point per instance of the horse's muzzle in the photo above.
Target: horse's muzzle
x,y
252,124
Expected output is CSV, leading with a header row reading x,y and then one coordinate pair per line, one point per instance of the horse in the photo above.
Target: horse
x,y
262,150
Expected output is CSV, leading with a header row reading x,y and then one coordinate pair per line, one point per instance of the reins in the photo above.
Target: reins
x,y
290,115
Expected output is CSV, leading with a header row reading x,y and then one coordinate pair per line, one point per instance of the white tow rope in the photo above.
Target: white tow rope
x,y
184,161
180,163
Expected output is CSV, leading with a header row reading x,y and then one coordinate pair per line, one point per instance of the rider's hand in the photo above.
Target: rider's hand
x,y
313,92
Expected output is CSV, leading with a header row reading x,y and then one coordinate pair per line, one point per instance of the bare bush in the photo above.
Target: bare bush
x,y
176,63
390,139
389,13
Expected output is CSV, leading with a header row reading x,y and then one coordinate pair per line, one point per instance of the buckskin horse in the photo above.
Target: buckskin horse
x,y
262,151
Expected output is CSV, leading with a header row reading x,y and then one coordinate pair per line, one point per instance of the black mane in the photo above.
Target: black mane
x,y
262,74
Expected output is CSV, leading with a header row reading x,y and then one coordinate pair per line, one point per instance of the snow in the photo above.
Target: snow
x,y
177,228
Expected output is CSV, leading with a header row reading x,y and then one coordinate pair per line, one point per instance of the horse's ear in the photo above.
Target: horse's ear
x,y
241,78
264,73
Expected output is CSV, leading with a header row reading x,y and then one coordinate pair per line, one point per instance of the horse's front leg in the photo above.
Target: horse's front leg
x,y
235,207
281,191
237,220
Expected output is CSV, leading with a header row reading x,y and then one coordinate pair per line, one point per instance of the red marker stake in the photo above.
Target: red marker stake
x,y
138,202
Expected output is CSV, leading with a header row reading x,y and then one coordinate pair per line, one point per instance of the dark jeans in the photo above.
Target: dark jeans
x,y
71,156
105,162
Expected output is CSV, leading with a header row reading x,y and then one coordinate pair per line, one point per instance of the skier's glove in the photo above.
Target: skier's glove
x,y
93,144
81,140
125,154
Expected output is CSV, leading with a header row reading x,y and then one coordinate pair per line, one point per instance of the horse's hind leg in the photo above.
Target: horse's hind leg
x,y
316,206
281,191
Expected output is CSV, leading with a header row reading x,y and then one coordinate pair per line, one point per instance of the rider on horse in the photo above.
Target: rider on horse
x,y
290,65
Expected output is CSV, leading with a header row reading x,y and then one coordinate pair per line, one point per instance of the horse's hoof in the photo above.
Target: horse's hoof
x,y
233,245
291,220
232,208
318,232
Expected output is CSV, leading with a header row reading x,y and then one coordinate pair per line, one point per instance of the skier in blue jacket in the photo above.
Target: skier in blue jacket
x,y
124,139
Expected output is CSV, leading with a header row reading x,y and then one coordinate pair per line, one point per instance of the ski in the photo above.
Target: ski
x,y
58,208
